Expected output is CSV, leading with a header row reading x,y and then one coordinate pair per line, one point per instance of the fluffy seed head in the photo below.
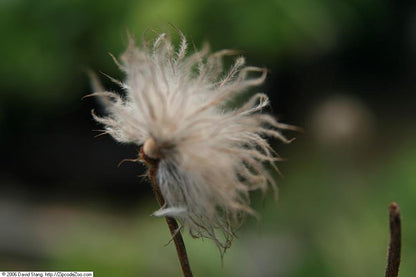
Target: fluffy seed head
x,y
210,156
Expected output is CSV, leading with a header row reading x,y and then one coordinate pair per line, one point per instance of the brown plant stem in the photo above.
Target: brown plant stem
x,y
393,260
152,166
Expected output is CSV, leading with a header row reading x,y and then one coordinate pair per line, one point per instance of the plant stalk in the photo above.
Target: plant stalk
x,y
393,260
152,166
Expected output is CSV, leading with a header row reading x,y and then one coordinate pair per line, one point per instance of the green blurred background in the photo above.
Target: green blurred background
x,y
344,70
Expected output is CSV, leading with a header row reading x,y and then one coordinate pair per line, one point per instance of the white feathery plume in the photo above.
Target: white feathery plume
x,y
210,156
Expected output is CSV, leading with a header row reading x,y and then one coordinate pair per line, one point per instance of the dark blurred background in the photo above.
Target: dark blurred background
x,y
343,70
